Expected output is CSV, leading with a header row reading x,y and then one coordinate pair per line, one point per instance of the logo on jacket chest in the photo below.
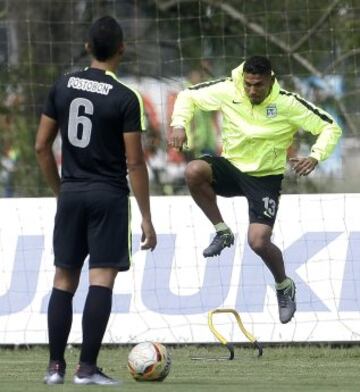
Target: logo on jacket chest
x,y
271,111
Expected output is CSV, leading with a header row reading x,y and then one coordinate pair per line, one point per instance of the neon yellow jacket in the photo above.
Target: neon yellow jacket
x,y
256,137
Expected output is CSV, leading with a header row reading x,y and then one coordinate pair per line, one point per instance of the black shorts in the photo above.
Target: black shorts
x,y
262,193
94,223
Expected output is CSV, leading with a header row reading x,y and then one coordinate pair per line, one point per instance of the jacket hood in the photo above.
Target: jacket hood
x,y
237,76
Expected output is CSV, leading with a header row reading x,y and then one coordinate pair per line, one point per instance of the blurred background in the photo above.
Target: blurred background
x,y
170,44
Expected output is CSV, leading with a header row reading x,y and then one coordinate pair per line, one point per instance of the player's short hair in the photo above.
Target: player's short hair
x,y
258,65
104,38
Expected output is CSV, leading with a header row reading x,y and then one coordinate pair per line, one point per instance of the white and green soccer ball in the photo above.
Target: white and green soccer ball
x,y
149,361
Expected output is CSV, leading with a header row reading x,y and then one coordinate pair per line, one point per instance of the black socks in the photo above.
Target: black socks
x,y
59,322
95,318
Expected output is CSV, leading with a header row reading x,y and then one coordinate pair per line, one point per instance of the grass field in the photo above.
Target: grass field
x,y
280,369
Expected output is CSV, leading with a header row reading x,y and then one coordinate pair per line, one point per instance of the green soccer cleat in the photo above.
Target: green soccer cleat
x,y
286,302
222,239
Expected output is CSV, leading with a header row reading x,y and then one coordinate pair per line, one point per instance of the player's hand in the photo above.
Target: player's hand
x,y
303,166
148,238
177,138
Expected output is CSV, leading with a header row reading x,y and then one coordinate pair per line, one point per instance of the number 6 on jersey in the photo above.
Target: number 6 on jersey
x,y
77,138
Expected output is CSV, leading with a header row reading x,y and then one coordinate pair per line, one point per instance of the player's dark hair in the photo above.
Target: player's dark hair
x,y
104,38
258,65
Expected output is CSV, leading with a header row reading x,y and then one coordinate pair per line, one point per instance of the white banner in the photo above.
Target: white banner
x,y
167,293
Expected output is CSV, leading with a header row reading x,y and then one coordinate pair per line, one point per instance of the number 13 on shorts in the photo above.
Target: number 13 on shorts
x,y
269,207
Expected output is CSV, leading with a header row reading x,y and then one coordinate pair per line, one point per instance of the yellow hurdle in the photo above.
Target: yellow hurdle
x,y
221,338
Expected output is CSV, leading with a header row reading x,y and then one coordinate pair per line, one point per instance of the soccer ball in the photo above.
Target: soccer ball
x,y
149,361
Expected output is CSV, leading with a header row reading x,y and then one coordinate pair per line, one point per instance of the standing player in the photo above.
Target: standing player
x,y
100,121
259,122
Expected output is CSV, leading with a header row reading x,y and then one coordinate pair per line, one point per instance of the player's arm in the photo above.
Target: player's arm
x,y
45,137
317,121
139,181
205,97
138,175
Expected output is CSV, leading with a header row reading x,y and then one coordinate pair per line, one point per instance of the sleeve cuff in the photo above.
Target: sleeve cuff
x,y
316,155
179,124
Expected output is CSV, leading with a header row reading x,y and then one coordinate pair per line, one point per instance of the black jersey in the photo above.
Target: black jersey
x,y
93,109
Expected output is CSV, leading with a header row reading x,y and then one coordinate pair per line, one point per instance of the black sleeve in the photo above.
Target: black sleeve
x,y
49,107
132,115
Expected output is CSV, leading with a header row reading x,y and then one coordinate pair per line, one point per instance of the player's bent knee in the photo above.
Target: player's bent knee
x,y
259,237
257,246
197,171
258,243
